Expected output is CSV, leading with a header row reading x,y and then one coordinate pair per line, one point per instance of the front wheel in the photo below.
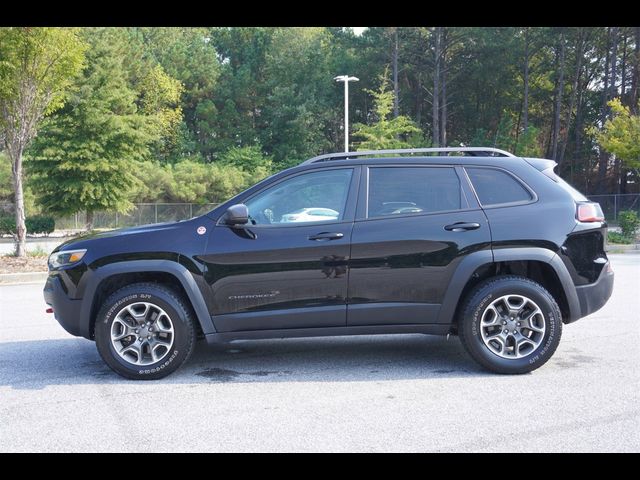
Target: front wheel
x,y
510,324
145,331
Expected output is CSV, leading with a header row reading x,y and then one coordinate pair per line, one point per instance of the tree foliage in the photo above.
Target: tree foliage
x,y
621,134
36,67
192,181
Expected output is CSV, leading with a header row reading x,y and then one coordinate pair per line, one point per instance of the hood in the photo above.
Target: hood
x,y
122,233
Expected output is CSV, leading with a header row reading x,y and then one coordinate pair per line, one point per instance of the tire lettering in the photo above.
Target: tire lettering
x,y
159,367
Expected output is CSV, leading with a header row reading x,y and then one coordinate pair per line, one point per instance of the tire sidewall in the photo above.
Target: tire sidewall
x,y
489,293
183,332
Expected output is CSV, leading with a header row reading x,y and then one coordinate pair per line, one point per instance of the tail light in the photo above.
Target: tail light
x,y
589,212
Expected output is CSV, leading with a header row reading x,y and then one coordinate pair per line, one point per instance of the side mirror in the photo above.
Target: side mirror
x,y
237,215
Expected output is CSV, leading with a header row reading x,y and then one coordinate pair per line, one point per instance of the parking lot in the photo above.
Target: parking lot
x,y
374,393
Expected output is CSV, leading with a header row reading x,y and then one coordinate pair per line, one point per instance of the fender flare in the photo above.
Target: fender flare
x,y
183,275
485,257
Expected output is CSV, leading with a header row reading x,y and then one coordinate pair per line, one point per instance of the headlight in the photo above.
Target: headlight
x,y
67,257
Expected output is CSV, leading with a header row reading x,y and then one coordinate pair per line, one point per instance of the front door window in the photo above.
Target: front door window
x,y
314,197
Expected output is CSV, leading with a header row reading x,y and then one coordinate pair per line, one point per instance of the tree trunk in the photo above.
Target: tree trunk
x,y
623,72
89,220
613,94
574,94
514,149
396,90
558,106
443,121
614,62
603,159
635,79
621,172
577,152
419,99
21,229
525,102
436,88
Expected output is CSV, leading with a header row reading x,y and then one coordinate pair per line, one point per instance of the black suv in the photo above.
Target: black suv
x,y
470,241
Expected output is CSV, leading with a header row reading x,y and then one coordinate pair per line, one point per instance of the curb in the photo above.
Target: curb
x,y
18,278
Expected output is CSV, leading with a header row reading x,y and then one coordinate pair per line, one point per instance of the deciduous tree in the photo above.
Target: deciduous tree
x,y
36,67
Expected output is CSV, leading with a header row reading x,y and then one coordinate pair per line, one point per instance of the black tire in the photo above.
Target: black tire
x,y
184,332
481,297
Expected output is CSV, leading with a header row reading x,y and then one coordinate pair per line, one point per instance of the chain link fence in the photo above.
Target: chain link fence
x,y
612,205
142,214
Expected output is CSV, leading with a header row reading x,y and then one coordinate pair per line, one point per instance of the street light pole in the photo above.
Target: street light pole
x,y
346,79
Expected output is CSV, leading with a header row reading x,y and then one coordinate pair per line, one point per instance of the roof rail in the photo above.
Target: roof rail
x,y
473,151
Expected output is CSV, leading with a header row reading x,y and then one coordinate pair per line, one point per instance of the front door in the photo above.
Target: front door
x,y
415,224
288,267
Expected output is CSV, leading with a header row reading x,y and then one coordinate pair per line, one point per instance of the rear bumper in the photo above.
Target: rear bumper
x,y
593,296
66,310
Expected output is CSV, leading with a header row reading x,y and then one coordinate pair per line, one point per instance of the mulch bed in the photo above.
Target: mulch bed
x,y
10,264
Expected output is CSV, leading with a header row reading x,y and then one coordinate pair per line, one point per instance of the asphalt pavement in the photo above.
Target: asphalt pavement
x,y
373,393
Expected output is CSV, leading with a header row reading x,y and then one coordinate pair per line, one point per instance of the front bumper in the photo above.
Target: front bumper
x,y
593,296
66,310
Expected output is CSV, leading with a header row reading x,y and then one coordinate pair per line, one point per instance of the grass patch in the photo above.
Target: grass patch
x,y
618,238
37,252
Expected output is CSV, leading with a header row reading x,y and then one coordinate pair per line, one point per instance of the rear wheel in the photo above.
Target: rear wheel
x,y
510,324
144,331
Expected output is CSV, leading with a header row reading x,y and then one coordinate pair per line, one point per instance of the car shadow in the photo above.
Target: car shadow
x,y
377,358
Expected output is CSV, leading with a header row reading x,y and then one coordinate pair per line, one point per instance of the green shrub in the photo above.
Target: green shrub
x,y
35,224
37,252
40,224
629,223
7,224
617,237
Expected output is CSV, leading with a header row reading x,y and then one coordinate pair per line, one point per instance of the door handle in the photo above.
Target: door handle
x,y
462,226
324,236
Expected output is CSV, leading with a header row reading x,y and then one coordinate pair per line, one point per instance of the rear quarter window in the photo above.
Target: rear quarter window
x,y
496,187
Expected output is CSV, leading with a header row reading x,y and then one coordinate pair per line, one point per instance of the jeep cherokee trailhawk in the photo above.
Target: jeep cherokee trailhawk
x,y
474,242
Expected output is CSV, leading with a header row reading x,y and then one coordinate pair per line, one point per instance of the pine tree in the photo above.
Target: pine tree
x,y
85,156
386,133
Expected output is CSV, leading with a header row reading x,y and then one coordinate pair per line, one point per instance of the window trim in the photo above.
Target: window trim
x,y
363,212
523,184
350,203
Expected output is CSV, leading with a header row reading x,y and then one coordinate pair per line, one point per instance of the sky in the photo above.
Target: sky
x,y
358,30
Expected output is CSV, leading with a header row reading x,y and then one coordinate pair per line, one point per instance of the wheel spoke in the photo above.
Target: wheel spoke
x,y
134,311
161,343
500,339
491,317
522,341
529,322
517,306
135,347
120,330
162,325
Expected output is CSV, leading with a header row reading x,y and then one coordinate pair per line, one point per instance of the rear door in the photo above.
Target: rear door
x,y
414,225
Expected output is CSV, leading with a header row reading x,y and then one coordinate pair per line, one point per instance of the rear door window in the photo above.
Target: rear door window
x,y
413,190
